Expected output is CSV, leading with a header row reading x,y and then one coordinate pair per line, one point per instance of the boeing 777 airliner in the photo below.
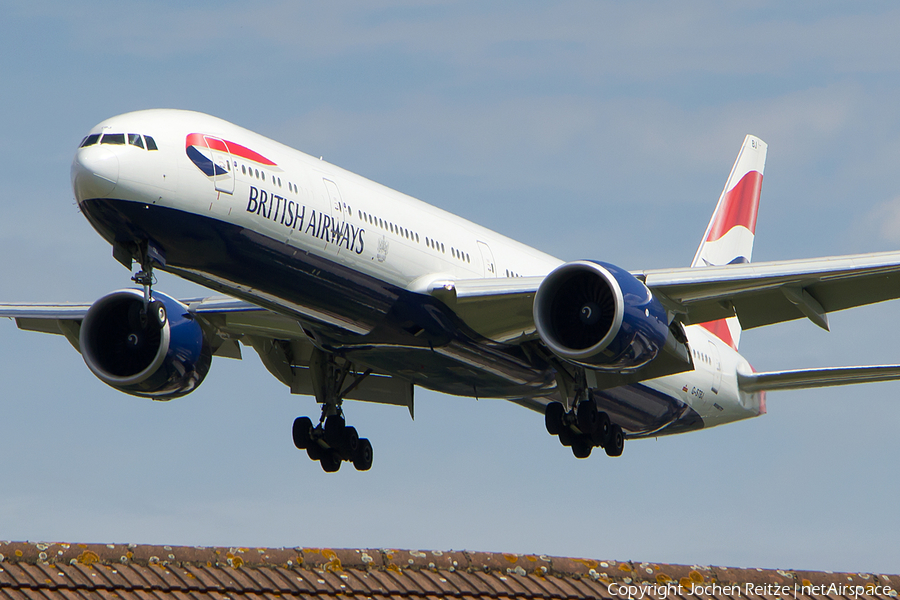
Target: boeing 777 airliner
x,y
349,290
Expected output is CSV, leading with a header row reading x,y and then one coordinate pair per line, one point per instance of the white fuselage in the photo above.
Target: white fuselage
x,y
321,210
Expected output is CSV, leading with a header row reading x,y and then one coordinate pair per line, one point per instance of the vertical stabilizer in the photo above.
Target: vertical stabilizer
x,y
729,235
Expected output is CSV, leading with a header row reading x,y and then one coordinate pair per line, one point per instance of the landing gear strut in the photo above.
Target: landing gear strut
x,y
154,311
584,428
332,441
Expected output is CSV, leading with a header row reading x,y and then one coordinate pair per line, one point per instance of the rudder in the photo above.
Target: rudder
x,y
729,236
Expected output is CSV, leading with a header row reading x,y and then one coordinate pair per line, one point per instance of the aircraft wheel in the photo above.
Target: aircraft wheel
x,y
349,443
330,461
566,437
581,448
334,430
157,312
314,451
553,418
362,459
587,417
615,443
302,432
602,431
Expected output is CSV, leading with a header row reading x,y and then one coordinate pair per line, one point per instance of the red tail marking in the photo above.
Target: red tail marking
x,y
739,207
720,330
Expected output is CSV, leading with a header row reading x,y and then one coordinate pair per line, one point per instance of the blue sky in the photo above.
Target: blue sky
x,y
587,129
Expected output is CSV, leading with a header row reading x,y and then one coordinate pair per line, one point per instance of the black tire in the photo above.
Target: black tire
x,y
156,313
349,444
330,461
334,430
615,442
587,417
302,433
362,460
315,451
553,418
567,437
582,447
602,431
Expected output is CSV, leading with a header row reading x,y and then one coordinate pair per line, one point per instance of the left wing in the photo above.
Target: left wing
x,y
282,345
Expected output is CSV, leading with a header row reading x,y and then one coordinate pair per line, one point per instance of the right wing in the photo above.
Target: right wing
x,y
772,292
759,294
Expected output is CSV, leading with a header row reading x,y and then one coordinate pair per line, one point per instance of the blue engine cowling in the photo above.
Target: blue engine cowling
x,y
598,315
141,358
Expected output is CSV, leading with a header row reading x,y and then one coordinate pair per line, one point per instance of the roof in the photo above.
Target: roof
x,y
142,572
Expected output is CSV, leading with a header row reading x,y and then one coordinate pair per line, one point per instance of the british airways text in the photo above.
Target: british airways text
x,y
293,215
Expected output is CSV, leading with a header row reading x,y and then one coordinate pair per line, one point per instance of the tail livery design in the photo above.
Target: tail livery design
x,y
729,235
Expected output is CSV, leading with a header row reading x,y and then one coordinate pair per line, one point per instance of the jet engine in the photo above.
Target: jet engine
x,y
160,354
600,316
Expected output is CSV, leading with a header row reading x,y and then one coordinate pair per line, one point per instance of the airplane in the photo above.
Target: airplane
x,y
349,290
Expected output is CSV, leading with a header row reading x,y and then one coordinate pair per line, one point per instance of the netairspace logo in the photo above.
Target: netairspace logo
x,y
749,590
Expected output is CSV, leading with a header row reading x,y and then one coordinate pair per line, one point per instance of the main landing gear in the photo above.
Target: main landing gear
x,y
584,429
332,441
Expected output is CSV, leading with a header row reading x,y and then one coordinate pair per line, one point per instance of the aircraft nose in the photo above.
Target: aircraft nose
x,y
95,173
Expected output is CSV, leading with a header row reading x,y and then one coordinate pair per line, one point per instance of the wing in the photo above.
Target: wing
x,y
773,292
280,341
758,294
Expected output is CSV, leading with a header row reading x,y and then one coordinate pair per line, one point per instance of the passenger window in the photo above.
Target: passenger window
x,y
151,145
135,140
243,169
117,139
90,140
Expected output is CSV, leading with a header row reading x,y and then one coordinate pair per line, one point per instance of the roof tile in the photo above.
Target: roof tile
x,y
36,571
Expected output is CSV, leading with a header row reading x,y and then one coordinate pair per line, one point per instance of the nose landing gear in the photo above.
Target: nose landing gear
x,y
154,311
584,428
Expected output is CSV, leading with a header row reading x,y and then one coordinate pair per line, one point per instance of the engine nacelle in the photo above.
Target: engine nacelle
x,y
136,355
599,315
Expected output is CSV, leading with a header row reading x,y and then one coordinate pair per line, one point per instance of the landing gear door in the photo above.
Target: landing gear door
x,y
222,164
490,267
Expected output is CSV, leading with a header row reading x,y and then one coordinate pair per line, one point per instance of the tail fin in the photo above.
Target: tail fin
x,y
729,235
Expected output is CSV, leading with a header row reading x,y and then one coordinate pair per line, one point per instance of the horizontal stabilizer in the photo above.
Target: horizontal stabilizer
x,y
813,378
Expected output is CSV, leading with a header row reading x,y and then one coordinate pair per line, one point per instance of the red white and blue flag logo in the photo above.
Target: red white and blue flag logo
x,y
206,150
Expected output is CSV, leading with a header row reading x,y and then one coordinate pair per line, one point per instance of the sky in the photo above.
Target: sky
x,y
600,130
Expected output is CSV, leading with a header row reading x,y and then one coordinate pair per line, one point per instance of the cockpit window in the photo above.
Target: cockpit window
x,y
114,138
151,145
135,140
90,140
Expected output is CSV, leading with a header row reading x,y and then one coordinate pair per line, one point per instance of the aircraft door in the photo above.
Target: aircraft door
x,y
337,209
490,268
717,367
223,165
